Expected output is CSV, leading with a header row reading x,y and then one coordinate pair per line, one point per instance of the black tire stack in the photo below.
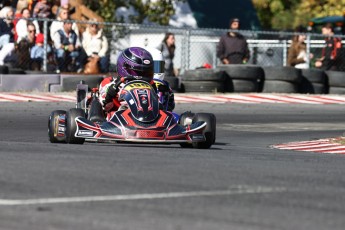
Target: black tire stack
x,y
336,81
3,69
243,78
281,79
204,80
173,82
314,81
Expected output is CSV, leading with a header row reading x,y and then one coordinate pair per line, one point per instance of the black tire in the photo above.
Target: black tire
x,y
203,86
242,85
209,131
3,69
312,88
243,71
315,75
182,121
34,72
71,126
52,127
320,88
336,90
289,74
336,78
279,87
69,83
173,82
204,75
16,71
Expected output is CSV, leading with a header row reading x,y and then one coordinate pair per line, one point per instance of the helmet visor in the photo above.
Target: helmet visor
x,y
158,66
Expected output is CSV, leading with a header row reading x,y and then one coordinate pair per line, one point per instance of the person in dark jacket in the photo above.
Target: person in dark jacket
x,y
232,47
331,57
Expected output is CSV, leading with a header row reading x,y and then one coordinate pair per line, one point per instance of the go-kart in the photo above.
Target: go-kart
x,y
142,119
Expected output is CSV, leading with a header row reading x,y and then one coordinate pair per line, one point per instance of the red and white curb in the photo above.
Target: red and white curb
x,y
246,98
318,146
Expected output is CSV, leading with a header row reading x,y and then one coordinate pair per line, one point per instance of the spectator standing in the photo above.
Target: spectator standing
x,y
168,51
63,14
21,27
95,45
330,53
67,48
297,55
232,47
6,26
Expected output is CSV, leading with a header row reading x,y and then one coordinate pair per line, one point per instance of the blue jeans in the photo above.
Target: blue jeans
x,y
4,39
65,58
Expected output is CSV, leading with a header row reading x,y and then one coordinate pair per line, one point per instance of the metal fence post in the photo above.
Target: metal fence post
x,y
214,56
45,32
285,51
186,63
308,50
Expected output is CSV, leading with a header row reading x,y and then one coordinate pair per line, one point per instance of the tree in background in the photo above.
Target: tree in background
x,y
288,14
317,8
155,11
276,14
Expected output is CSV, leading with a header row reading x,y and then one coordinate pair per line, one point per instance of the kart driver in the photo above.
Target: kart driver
x,y
134,61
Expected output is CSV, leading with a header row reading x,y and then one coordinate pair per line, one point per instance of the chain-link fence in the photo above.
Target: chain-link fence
x,y
194,47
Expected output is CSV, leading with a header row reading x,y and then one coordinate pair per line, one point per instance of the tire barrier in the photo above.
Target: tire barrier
x,y
16,71
243,78
3,69
222,79
69,82
336,82
204,80
281,79
314,81
173,82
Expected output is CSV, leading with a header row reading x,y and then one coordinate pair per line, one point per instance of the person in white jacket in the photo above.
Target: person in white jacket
x,y
21,26
95,45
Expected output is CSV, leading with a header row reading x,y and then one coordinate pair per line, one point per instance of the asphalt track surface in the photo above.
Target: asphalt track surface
x,y
240,183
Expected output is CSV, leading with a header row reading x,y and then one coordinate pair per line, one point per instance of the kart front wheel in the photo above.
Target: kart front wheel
x,y
71,126
53,126
209,131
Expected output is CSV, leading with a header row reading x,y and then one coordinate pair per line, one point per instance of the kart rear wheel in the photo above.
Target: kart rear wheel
x,y
209,131
71,126
53,126
183,121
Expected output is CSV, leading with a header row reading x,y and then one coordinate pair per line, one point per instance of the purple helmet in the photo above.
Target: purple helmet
x,y
137,62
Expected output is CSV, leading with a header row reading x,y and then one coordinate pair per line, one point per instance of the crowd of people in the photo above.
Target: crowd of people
x,y
68,50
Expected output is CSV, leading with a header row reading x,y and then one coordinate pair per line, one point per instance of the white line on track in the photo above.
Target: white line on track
x,y
232,191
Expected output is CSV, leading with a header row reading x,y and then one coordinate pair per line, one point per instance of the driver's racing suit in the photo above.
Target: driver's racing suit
x,y
109,96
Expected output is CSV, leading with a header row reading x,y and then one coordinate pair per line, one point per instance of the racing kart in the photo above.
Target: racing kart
x,y
142,120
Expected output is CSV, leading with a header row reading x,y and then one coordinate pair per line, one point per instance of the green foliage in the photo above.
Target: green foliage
x,y
155,11
287,14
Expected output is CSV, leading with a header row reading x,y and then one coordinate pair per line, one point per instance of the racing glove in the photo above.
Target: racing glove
x,y
111,93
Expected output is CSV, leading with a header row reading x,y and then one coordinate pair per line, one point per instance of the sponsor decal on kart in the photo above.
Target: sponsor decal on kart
x,y
85,133
137,86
